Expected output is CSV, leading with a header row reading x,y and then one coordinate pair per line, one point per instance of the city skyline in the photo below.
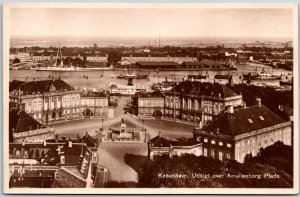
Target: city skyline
x,y
151,22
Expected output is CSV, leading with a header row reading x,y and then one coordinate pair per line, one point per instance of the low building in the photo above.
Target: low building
x,y
242,131
23,57
162,146
196,101
97,57
46,100
205,65
157,57
150,104
154,65
24,128
59,164
125,61
94,103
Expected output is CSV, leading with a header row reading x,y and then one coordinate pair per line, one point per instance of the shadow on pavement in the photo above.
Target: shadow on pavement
x,y
135,161
115,184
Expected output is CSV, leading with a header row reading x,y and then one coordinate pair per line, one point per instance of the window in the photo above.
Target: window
x,y
205,140
229,145
25,154
220,143
213,142
18,153
205,152
212,153
228,155
221,155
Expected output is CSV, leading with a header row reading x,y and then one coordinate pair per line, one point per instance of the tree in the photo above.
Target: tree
x,y
114,57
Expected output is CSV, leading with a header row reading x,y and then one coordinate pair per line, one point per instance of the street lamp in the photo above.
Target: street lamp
x,y
102,124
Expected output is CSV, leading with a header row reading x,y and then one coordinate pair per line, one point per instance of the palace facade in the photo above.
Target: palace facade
x,y
46,100
196,101
94,103
243,131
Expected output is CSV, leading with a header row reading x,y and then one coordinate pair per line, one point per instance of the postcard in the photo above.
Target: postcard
x,y
136,98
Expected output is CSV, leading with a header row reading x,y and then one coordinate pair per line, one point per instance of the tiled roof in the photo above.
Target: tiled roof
x,y
203,62
66,179
154,94
40,86
154,63
13,85
20,121
144,54
160,141
50,154
243,120
205,88
32,179
88,140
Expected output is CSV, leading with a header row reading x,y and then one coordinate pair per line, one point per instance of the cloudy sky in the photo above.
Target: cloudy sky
x,y
116,22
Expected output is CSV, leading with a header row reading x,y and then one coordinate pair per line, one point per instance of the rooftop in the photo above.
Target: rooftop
x,y
20,121
243,120
154,63
30,87
93,93
160,141
154,94
203,88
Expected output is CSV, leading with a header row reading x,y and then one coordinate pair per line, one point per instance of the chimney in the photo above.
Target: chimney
x,y
230,109
258,101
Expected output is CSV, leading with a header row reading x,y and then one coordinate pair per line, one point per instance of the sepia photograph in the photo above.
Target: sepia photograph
x,y
150,98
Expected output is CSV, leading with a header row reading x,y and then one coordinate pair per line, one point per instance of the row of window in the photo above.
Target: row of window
x,y
214,153
152,103
206,140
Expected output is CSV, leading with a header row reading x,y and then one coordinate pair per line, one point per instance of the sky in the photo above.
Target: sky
x,y
116,22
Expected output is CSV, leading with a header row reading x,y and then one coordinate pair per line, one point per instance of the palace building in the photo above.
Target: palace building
x,y
46,100
150,104
196,101
94,103
24,128
242,131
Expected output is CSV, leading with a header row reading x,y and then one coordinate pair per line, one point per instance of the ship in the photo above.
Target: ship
x,y
58,65
261,76
125,90
132,75
50,68
265,76
164,86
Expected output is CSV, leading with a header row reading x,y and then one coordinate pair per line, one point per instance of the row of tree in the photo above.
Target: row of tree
x,y
276,159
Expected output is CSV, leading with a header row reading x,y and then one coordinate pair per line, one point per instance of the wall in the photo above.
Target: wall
x,y
253,142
